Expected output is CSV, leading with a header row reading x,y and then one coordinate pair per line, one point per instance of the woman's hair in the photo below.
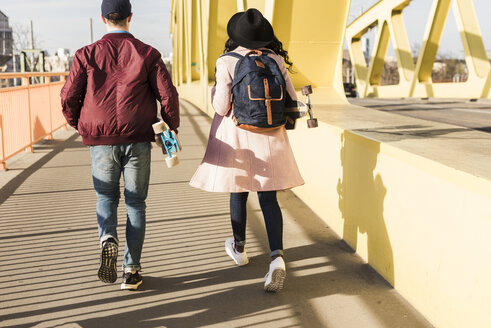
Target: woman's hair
x,y
230,45
276,46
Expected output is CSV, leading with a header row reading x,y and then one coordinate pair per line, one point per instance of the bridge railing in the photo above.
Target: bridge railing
x,y
30,112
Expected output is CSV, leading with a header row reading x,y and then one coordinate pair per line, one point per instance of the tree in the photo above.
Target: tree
x,y
22,37
415,49
22,41
449,68
390,74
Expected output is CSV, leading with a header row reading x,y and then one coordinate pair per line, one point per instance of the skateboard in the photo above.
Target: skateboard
x,y
292,114
170,142
311,122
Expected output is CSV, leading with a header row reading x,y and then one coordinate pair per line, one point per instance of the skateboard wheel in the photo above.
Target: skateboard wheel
x,y
172,161
158,141
307,90
160,127
312,123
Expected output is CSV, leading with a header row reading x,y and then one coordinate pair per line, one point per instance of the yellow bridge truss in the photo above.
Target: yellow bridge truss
x,y
313,38
415,80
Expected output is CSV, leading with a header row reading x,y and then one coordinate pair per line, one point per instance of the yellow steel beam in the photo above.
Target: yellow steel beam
x,y
434,30
415,81
313,39
387,16
402,48
377,62
181,44
187,6
468,25
359,62
219,13
313,31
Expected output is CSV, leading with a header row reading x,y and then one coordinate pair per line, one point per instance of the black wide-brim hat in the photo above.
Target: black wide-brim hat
x,y
250,29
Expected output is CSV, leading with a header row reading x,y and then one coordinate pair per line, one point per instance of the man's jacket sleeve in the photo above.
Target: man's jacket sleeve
x,y
166,93
73,92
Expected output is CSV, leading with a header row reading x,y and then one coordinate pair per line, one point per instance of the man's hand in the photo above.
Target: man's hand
x,y
158,141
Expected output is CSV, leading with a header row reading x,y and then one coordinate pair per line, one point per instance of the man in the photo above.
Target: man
x,y
110,98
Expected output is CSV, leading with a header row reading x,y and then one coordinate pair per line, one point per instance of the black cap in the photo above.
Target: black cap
x,y
122,7
250,29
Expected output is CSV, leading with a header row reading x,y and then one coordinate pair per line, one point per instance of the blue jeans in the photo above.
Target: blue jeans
x,y
273,218
108,162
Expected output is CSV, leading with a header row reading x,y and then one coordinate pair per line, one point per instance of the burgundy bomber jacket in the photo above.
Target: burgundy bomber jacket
x,y
110,94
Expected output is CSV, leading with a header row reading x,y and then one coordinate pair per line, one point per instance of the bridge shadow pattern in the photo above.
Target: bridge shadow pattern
x,y
361,201
50,255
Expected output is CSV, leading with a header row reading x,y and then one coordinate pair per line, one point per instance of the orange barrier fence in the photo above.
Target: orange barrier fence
x,y
29,113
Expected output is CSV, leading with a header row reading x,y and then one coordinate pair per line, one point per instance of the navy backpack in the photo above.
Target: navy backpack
x,y
259,92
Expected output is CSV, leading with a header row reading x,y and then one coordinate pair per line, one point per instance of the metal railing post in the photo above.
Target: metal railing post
x,y
29,148
48,83
3,165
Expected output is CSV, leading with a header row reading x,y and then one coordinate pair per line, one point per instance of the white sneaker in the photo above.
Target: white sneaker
x,y
239,258
273,281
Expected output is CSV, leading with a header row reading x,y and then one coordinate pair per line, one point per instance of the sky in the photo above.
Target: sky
x,y
65,23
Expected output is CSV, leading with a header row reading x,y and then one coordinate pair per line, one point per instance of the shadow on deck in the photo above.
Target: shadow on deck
x,y
50,255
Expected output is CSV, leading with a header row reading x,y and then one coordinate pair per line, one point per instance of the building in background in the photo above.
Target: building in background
x,y
6,41
60,62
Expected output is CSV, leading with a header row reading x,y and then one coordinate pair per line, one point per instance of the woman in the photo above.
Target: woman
x,y
240,161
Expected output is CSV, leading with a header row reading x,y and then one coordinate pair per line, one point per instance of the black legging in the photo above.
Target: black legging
x,y
272,218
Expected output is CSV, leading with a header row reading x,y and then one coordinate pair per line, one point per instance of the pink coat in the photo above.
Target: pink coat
x,y
238,160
